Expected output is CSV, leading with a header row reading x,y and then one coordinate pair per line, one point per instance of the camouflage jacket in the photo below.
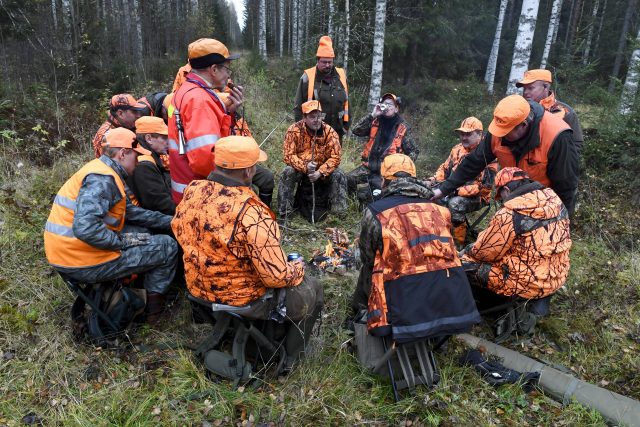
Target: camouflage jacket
x,y
96,196
371,231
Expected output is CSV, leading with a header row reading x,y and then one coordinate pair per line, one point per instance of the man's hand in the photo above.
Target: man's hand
x,y
314,176
311,167
437,194
130,240
236,96
376,111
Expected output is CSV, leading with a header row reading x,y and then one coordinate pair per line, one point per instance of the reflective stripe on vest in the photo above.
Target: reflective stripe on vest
x,y
535,161
342,75
62,248
394,147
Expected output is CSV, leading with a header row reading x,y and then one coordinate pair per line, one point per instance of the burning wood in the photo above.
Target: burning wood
x,y
337,255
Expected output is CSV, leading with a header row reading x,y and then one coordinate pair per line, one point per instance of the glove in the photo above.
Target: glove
x,y
130,240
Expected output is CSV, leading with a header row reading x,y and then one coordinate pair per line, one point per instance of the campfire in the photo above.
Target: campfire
x,y
338,255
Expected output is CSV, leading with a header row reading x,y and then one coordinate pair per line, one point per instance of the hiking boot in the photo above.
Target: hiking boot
x,y
155,309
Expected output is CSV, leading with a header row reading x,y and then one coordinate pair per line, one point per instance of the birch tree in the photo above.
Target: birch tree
x,y
262,30
630,88
622,42
524,41
347,31
138,43
281,32
332,8
378,51
54,13
592,25
295,30
490,74
552,31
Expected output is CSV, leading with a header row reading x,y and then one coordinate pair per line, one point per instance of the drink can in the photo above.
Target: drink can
x,y
293,256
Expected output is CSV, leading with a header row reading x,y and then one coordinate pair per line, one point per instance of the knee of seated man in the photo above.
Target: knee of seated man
x,y
303,299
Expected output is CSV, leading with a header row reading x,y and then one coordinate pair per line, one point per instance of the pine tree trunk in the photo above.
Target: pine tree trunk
x,y
597,42
524,41
592,24
490,74
554,20
573,22
630,88
281,32
332,7
139,39
378,52
622,42
347,34
262,30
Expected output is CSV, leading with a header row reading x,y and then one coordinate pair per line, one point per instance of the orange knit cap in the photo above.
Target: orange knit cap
x,y
325,48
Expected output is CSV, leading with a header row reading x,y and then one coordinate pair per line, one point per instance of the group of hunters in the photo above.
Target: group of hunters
x,y
177,186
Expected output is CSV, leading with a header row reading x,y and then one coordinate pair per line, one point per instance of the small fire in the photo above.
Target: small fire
x,y
337,252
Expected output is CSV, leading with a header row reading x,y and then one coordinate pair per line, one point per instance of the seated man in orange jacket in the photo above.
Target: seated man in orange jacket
x,y
231,243
477,192
524,252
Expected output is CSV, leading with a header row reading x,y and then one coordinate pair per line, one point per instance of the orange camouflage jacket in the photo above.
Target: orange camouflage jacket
x,y
231,243
480,186
527,244
298,146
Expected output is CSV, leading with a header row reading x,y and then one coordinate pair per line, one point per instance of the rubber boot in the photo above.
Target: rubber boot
x,y
460,234
156,305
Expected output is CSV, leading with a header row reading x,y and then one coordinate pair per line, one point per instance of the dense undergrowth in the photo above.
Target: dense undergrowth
x,y
47,377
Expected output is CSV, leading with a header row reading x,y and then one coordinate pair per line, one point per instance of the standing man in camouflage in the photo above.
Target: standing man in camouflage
x,y
312,153
327,84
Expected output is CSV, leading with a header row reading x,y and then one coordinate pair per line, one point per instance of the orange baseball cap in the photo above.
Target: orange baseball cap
x,y
509,113
123,138
507,175
392,97
310,106
395,163
125,101
206,52
470,124
325,48
535,75
237,152
150,124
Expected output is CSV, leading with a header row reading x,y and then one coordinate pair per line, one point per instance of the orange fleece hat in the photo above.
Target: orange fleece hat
x,y
150,124
509,113
123,138
325,48
237,152
395,163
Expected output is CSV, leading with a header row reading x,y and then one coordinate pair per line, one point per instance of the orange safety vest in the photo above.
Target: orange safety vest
x,y
396,143
418,286
62,248
534,162
342,75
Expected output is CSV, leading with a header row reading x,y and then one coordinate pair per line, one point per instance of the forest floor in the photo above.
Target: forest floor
x,y
47,377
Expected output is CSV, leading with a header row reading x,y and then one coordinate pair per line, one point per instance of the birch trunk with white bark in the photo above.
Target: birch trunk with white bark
x,y
552,31
524,41
347,34
262,30
139,40
295,8
630,88
281,32
332,7
378,53
490,74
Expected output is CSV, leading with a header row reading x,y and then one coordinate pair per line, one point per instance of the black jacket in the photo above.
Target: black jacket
x,y
151,183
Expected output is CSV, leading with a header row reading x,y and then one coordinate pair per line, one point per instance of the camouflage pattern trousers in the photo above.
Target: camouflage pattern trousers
x,y
157,259
336,194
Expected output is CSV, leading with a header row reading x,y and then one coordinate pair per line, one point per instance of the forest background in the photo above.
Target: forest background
x,y
63,59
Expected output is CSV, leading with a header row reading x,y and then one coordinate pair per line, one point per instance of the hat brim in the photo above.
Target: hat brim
x,y
262,157
142,151
499,131
233,57
466,130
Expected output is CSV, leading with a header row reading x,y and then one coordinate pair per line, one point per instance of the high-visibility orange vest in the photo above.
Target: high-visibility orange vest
x,y
534,162
394,147
418,286
311,75
62,248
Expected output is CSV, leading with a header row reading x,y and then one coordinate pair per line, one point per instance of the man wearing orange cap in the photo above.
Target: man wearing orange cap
x,y
327,84
151,182
475,193
86,235
523,134
312,153
411,281
536,87
387,133
231,243
124,110
198,116
524,252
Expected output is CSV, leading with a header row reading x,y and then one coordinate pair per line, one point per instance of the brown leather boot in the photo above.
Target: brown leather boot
x,y
156,306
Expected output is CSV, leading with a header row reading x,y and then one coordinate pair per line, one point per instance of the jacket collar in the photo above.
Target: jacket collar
x,y
549,102
115,166
225,180
409,186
